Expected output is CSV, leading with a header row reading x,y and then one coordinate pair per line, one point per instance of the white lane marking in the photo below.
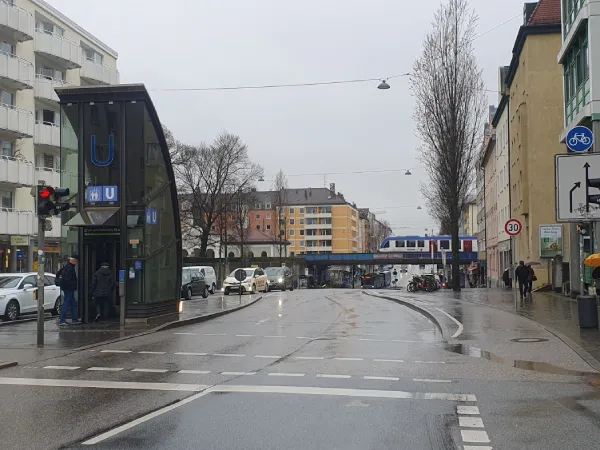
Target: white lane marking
x,y
303,337
215,334
115,351
477,447
429,380
190,354
328,375
470,422
267,356
381,378
245,335
106,369
373,340
477,436
151,370
152,353
195,372
309,357
285,374
261,321
348,359
460,325
229,354
430,362
274,336
406,342
140,420
51,382
188,334
62,367
467,410
389,360
238,373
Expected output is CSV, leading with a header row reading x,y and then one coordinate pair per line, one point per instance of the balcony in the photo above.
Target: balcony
x,y
47,134
318,238
16,22
16,172
43,87
318,226
317,215
320,249
50,176
98,73
15,73
61,50
16,221
15,123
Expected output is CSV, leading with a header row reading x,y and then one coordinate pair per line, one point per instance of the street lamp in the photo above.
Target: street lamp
x,y
408,172
383,85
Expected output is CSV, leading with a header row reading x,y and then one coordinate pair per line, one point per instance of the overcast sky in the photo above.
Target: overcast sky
x,y
307,130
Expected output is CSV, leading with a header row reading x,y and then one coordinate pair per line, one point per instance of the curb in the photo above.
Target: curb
x,y
7,364
421,310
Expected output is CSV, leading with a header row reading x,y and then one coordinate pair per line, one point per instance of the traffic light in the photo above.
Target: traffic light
x,y
583,229
60,206
44,200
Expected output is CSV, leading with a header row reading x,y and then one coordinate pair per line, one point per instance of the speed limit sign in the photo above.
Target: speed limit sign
x,y
513,227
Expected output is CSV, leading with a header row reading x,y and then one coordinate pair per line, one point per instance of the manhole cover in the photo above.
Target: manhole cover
x,y
529,340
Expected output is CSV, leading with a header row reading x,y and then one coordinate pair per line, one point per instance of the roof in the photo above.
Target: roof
x,y
304,197
547,12
257,237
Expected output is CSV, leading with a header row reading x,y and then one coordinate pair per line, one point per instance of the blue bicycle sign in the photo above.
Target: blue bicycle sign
x,y
580,139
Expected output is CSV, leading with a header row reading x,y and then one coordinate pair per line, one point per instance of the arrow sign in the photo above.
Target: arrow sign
x,y
576,186
586,166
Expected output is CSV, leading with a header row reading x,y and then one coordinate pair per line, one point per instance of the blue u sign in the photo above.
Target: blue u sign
x,y
111,152
580,139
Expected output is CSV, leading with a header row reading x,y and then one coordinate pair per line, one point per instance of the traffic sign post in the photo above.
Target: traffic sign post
x,y
579,139
578,187
513,227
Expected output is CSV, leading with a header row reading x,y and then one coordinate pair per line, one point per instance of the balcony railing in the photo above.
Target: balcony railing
x,y
44,86
50,176
318,226
16,73
16,221
97,72
58,48
16,21
319,215
15,122
324,237
47,134
16,172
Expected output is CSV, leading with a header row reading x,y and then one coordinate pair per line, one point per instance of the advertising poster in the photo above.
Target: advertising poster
x,y
550,241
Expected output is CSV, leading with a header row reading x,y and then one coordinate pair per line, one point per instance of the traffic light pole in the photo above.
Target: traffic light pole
x,y
40,280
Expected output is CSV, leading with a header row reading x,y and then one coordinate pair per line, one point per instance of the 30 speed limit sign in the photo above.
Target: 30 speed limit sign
x,y
513,227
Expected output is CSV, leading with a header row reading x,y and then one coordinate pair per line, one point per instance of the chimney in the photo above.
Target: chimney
x,y
332,188
310,191
528,8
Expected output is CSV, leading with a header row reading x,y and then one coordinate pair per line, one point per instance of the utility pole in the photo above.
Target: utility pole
x,y
40,280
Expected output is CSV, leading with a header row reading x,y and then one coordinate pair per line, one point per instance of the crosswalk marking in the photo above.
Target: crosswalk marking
x,y
150,370
195,372
105,369
62,367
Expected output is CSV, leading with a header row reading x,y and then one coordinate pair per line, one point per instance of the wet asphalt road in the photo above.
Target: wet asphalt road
x,y
308,369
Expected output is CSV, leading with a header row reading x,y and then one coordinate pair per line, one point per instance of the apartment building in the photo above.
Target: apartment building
x,y
40,49
468,222
491,209
372,231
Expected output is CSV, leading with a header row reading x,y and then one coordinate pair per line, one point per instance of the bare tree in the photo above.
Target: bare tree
x,y
209,178
448,87
242,204
280,187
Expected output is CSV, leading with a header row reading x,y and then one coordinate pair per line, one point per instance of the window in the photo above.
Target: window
x,y
301,232
267,206
258,205
570,10
49,28
301,221
387,244
6,148
421,244
399,244
47,116
258,227
282,222
258,216
445,245
268,216
292,221
292,211
301,210
31,279
411,244
6,199
50,73
92,55
49,280
301,243
8,98
292,232
576,76
7,48
268,226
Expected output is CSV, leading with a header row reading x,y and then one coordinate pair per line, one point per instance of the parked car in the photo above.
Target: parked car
x,y
192,283
280,278
210,277
17,294
254,280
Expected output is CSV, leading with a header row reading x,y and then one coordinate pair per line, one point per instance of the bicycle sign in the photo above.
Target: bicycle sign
x,y
580,139
513,227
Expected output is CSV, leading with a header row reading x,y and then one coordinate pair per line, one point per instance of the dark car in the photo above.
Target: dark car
x,y
280,278
192,283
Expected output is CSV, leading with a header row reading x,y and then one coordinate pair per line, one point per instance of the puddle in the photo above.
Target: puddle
x,y
475,352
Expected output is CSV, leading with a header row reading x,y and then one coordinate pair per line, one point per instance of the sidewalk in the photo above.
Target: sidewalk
x,y
18,342
553,311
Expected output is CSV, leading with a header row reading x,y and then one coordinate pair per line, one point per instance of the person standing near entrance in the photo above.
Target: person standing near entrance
x,y
68,284
103,285
521,274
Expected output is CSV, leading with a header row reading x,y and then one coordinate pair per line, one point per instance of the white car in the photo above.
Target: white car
x,y
17,294
255,279
210,277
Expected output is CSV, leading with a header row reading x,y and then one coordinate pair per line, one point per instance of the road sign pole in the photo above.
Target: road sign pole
x,y
582,266
40,281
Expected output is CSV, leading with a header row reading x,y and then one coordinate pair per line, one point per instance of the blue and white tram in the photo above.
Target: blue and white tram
x,y
468,244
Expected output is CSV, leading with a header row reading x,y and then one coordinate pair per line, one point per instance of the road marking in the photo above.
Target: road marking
x,y
309,357
348,359
51,382
238,373
261,321
460,325
477,436
389,360
188,334
152,353
428,380
327,375
274,336
215,334
477,447
467,410
62,367
229,354
303,337
267,356
285,374
373,340
195,372
115,351
470,422
106,369
381,378
430,362
190,354
245,335
150,370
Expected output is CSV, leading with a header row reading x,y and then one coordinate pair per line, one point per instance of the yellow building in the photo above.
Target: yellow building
x,y
535,112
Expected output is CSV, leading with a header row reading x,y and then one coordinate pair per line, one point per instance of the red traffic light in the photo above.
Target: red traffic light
x,y
46,193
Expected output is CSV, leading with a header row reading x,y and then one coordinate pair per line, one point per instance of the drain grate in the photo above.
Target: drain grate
x,y
529,340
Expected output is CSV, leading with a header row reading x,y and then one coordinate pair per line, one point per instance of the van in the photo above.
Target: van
x,y
210,277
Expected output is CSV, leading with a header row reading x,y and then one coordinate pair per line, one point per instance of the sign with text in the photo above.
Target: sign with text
x,y
102,194
152,216
551,243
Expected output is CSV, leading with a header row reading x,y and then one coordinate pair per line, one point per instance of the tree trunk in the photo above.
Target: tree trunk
x,y
455,257
204,243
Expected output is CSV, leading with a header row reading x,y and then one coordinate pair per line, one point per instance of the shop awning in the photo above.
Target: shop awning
x,y
95,217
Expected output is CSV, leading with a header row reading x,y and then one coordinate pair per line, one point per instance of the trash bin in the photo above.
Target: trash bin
x,y
587,309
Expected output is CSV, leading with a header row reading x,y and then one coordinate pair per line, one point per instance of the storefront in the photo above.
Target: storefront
x,y
116,163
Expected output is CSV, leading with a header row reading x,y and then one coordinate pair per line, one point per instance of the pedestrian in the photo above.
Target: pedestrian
x,y
530,278
103,285
521,275
68,284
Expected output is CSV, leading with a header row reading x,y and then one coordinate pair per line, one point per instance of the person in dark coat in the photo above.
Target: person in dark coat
x,y
530,278
521,275
68,284
103,285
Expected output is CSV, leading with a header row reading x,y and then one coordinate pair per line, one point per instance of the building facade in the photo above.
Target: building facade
x,y
491,209
40,50
468,223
